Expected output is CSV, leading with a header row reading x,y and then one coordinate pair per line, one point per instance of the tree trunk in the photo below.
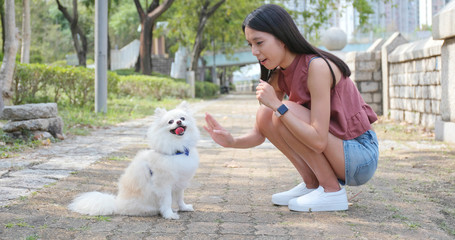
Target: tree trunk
x,y
145,49
197,47
9,58
148,19
199,41
26,32
79,38
2,15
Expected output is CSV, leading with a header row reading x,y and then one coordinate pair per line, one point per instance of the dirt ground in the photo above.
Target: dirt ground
x,y
411,196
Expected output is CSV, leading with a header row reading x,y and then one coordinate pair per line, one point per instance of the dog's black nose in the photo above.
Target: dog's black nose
x,y
179,122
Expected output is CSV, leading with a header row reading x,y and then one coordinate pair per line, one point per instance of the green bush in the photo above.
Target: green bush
x,y
149,86
73,85
76,85
206,89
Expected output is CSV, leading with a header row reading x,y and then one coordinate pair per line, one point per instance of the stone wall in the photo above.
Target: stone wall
x,y
400,80
415,82
366,73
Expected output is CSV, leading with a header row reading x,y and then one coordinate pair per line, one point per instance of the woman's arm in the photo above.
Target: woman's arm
x,y
312,132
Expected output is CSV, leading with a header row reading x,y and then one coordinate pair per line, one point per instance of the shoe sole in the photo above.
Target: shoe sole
x,y
279,203
319,208
286,202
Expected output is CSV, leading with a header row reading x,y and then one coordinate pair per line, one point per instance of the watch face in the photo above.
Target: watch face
x,y
282,109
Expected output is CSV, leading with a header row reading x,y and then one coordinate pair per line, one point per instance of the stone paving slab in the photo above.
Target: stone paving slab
x,y
410,197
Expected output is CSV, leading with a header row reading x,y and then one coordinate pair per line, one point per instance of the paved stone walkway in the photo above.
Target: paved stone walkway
x,y
411,196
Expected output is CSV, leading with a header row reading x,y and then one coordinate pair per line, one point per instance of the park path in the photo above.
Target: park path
x,y
412,195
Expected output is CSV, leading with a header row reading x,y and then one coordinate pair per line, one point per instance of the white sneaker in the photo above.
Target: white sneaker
x,y
318,200
283,198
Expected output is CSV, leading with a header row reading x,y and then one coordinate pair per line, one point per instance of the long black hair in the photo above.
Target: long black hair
x,y
275,20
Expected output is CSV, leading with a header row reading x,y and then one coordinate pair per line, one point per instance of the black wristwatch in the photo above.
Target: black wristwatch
x,y
281,110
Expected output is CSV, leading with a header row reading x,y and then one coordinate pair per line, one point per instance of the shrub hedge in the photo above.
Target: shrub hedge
x,y
76,85
206,89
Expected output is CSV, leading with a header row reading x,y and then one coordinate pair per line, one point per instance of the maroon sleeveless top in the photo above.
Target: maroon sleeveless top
x,y
350,116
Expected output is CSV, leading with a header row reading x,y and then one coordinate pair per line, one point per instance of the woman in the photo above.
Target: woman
x,y
324,128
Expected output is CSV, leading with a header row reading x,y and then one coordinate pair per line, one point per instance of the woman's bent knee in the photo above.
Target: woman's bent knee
x,y
264,117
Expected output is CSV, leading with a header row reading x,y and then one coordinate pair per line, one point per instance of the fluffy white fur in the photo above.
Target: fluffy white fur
x,y
155,180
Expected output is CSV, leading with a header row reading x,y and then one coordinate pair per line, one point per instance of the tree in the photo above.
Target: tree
x,y
2,19
9,58
123,24
204,13
221,30
148,19
79,38
26,32
316,14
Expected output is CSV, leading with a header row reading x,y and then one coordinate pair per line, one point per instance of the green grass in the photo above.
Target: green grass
x,y
9,146
81,121
99,218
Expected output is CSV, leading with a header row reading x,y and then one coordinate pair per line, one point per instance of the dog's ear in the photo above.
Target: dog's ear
x,y
185,106
160,112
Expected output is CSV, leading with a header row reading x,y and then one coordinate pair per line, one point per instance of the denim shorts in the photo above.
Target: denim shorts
x,y
361,158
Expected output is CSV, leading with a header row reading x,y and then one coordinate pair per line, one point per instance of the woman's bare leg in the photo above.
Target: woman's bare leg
x,y
315,168
265,124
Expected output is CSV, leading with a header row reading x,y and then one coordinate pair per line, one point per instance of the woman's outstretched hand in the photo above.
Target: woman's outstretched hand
x,y
217,132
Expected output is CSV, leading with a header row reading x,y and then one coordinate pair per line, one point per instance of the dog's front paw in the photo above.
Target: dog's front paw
x,y
186,208
170,215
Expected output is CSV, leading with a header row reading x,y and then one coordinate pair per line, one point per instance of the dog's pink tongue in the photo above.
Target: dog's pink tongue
x,y
179,130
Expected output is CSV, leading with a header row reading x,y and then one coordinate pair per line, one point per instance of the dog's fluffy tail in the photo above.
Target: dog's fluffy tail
x,y
94,203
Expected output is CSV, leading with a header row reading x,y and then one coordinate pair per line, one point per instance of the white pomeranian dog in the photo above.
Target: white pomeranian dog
x,y
155,180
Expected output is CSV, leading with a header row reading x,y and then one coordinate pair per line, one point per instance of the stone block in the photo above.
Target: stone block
x,y
377,97
377,108
402,91
369,87
448,80
443,27
377,75
428,108
408,105
438,91
51,125
433,92
419,49
410,92
30,111
430,64
428,120
364,56
367,97
393,91
367,66
412,117
393,103
396,115
362,76
444,131
420,105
